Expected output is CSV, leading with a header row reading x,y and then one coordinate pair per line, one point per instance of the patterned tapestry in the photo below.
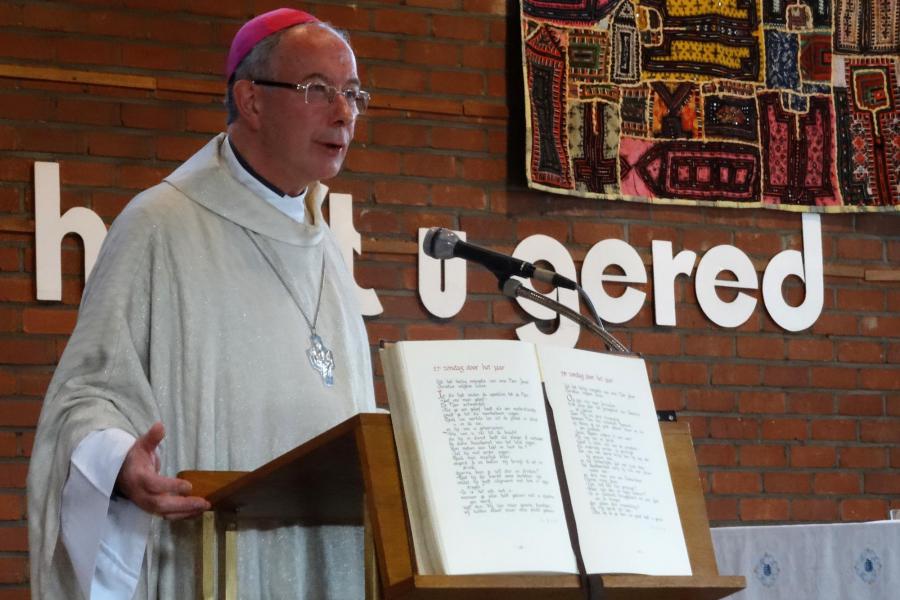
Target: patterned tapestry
x,y
791,104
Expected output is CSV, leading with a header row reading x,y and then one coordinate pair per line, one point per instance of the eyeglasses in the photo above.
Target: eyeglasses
x,y
318,93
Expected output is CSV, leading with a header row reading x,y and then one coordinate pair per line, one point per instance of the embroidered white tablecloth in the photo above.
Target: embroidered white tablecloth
x,y
843,561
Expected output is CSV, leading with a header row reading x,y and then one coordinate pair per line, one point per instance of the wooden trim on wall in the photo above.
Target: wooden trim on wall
x,y
883,275
470,109
140,82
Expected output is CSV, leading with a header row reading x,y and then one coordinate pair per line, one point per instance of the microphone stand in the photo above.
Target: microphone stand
x,y
513,288
591,585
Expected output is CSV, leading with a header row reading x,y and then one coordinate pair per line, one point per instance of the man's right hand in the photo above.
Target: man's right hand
x,y
139,481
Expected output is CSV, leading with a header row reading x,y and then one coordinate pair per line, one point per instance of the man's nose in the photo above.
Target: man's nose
x,y
344,109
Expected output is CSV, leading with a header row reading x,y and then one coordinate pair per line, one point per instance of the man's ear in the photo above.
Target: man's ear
x,y
247,102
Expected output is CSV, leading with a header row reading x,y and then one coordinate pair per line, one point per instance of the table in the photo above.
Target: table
x,y
843,561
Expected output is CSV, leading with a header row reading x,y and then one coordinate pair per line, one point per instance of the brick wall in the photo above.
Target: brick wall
x,y
787,427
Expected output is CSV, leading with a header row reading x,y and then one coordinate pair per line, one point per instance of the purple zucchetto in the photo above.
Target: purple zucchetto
x,y
260,27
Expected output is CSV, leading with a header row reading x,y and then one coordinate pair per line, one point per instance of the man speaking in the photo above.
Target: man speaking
x,y
218,329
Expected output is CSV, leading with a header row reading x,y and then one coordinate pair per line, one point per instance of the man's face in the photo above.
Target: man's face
x,y
307,142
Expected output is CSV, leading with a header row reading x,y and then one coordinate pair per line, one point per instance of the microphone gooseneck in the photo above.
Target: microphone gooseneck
x,y
443,244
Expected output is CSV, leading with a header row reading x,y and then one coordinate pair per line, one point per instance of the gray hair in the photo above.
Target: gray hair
x,y
258,63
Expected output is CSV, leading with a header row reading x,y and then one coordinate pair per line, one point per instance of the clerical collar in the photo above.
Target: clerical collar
x,y
243,162
292,206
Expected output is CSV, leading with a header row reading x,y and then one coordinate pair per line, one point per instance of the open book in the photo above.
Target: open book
x,y
481,485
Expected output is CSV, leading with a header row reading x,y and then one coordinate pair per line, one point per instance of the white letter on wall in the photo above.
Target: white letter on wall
x,y
726,258
443,294
340,209
50,228
665,270
542,247
602,255
791,262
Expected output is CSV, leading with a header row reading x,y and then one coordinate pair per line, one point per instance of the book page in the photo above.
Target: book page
x,y
615,463
474,410
411,465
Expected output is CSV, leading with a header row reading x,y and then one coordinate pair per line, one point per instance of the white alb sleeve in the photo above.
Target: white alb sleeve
x,y
105,538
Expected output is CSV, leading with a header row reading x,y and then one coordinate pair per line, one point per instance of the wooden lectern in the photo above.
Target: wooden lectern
x,y
350,475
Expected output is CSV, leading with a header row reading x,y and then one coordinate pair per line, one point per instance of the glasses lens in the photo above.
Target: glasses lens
x,y
362,101
319,93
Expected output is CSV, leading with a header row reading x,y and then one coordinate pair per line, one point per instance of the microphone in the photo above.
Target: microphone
x,y
443,244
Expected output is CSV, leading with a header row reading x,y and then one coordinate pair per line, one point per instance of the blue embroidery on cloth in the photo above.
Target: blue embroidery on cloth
x,y
767,570
868,566
782,51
